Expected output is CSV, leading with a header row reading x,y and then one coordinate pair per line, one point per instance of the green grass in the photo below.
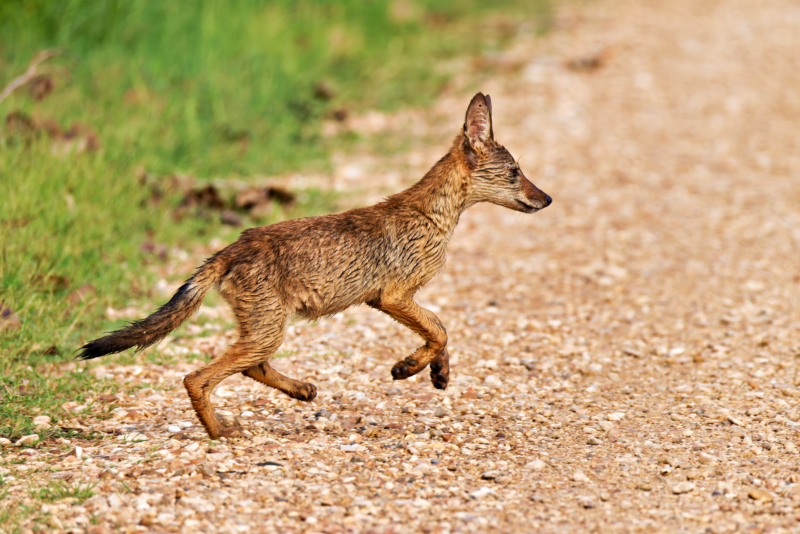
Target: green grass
x,y
13,514
26,395
208,89
59,490
178,87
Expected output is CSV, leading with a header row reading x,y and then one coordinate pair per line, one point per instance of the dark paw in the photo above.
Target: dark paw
x,y
405,368
440,380
306,392
440,370
400,371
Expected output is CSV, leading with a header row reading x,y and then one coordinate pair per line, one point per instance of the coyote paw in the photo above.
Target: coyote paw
x,y
304,392
404,368
229,427
438,378
440,370
230,432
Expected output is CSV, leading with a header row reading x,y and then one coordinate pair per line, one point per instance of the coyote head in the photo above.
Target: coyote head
x,y
495,176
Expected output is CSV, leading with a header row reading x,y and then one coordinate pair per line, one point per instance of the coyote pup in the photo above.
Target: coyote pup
x,y
309,268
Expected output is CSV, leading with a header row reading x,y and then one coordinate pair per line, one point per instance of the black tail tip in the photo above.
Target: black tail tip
x,y
90,351
100,347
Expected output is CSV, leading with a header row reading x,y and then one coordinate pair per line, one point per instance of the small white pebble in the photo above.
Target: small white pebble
x,y
27,440
492,381
735,421
707,458
683,487
482,492
580,476
535,465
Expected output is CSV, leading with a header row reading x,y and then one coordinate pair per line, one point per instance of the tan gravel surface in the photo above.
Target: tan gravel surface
x,y
623,361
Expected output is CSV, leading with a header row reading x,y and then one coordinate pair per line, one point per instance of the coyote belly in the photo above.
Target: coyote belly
x,y
380,255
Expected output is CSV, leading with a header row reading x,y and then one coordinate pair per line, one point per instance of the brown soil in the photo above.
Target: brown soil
x,y
623,361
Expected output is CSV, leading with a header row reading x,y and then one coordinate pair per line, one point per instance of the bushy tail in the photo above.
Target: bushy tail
x,y
142,334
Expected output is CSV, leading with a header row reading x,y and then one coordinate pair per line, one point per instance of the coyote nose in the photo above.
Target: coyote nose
x,y
547,200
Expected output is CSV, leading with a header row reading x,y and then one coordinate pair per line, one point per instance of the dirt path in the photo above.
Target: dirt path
x,y
624,361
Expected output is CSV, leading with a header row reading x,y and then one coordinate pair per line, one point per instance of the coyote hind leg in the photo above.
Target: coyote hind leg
x,y
201,383
410,314
261,333
264,373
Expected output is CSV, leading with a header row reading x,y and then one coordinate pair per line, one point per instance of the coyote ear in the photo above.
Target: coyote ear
x,y
478,122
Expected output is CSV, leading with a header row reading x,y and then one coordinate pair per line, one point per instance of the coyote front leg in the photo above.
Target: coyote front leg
x,y
410,314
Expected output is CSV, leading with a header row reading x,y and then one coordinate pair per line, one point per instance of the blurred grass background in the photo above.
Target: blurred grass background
x,y
211,89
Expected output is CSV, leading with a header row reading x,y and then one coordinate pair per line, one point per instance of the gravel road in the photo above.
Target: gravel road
x,y
623,361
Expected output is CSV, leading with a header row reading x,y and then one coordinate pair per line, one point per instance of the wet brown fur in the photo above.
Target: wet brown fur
x,y
380,255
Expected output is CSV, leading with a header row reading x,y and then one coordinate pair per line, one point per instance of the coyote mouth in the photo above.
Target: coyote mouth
x,y
527,208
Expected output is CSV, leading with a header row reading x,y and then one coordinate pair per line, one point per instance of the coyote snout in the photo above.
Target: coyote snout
x,y
308,268
535,199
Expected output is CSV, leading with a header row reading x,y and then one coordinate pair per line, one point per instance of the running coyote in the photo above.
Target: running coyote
x,y
307,268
